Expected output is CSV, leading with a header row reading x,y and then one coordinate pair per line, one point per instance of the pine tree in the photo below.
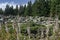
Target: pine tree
x,y
1,11
16,10
22,10
47,8
11,10
28,11
7,10
34,8
39,8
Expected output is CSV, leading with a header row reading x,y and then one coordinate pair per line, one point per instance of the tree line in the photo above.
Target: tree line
x,y
38,8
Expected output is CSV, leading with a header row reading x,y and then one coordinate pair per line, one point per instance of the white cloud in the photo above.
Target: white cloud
x,y
3,5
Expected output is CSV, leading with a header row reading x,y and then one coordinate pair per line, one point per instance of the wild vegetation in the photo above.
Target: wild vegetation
x,y
31,30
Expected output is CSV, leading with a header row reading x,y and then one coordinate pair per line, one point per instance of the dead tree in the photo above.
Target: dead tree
x,y
19,24
6,28
56,24
47,28
13,24
47,32
16,28
56,28
7,31
28,29
42,33
0,26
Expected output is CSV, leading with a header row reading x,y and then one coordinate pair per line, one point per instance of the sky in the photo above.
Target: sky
x,y
3,3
